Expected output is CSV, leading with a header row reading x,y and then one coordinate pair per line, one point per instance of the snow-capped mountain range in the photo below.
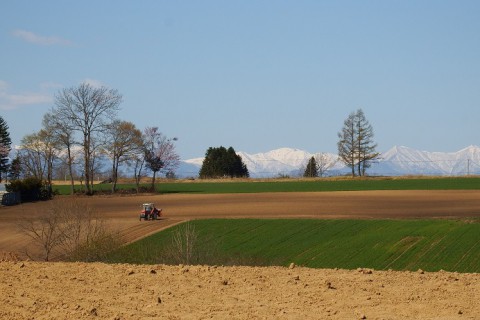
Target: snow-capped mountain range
x,y
394,162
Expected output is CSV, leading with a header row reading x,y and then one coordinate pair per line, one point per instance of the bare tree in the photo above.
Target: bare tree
x,y
87,110
347,143
70,230
85,234
324,163
356,147
64,135
160,154
137,161
45,232
124,139
50,152
184,247
37,154
96,153
366,146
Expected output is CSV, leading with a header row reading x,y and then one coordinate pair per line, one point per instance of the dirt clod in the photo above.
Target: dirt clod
x,y
329,285
365,271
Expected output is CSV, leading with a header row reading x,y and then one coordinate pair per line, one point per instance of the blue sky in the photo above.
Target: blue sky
x,y
255,75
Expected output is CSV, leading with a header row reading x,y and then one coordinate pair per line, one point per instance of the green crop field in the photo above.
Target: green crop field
x,y
430,245
255,186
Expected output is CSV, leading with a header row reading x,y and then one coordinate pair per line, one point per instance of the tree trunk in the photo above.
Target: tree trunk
x,y
114,175
138,174
70,171
153,180
86,152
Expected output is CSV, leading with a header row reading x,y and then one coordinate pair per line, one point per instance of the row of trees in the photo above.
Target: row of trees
x,y
82,129
356,149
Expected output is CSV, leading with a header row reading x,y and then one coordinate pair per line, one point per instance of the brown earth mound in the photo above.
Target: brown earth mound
x,y
35,290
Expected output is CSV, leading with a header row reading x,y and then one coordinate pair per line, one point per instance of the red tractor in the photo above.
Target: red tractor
x,y
149,212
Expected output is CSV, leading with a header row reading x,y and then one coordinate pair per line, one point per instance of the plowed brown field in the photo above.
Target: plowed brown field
x,y
34,290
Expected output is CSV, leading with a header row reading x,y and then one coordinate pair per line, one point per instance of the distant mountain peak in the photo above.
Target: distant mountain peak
x,y
399,160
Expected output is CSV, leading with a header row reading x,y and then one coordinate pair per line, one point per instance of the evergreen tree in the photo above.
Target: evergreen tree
x,y
15,169
5,143
311,171
220,162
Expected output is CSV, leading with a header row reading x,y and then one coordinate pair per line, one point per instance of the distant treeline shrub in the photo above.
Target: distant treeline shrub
x,y
30,189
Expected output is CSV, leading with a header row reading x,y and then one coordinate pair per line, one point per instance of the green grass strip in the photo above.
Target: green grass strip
x,y
318,185
430,245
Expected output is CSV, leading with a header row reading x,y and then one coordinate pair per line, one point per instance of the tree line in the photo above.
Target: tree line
x,y
356,149
80,130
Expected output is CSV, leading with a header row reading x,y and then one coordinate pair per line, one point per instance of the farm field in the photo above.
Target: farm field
x,y
297,185
430,245
121,212
125,291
